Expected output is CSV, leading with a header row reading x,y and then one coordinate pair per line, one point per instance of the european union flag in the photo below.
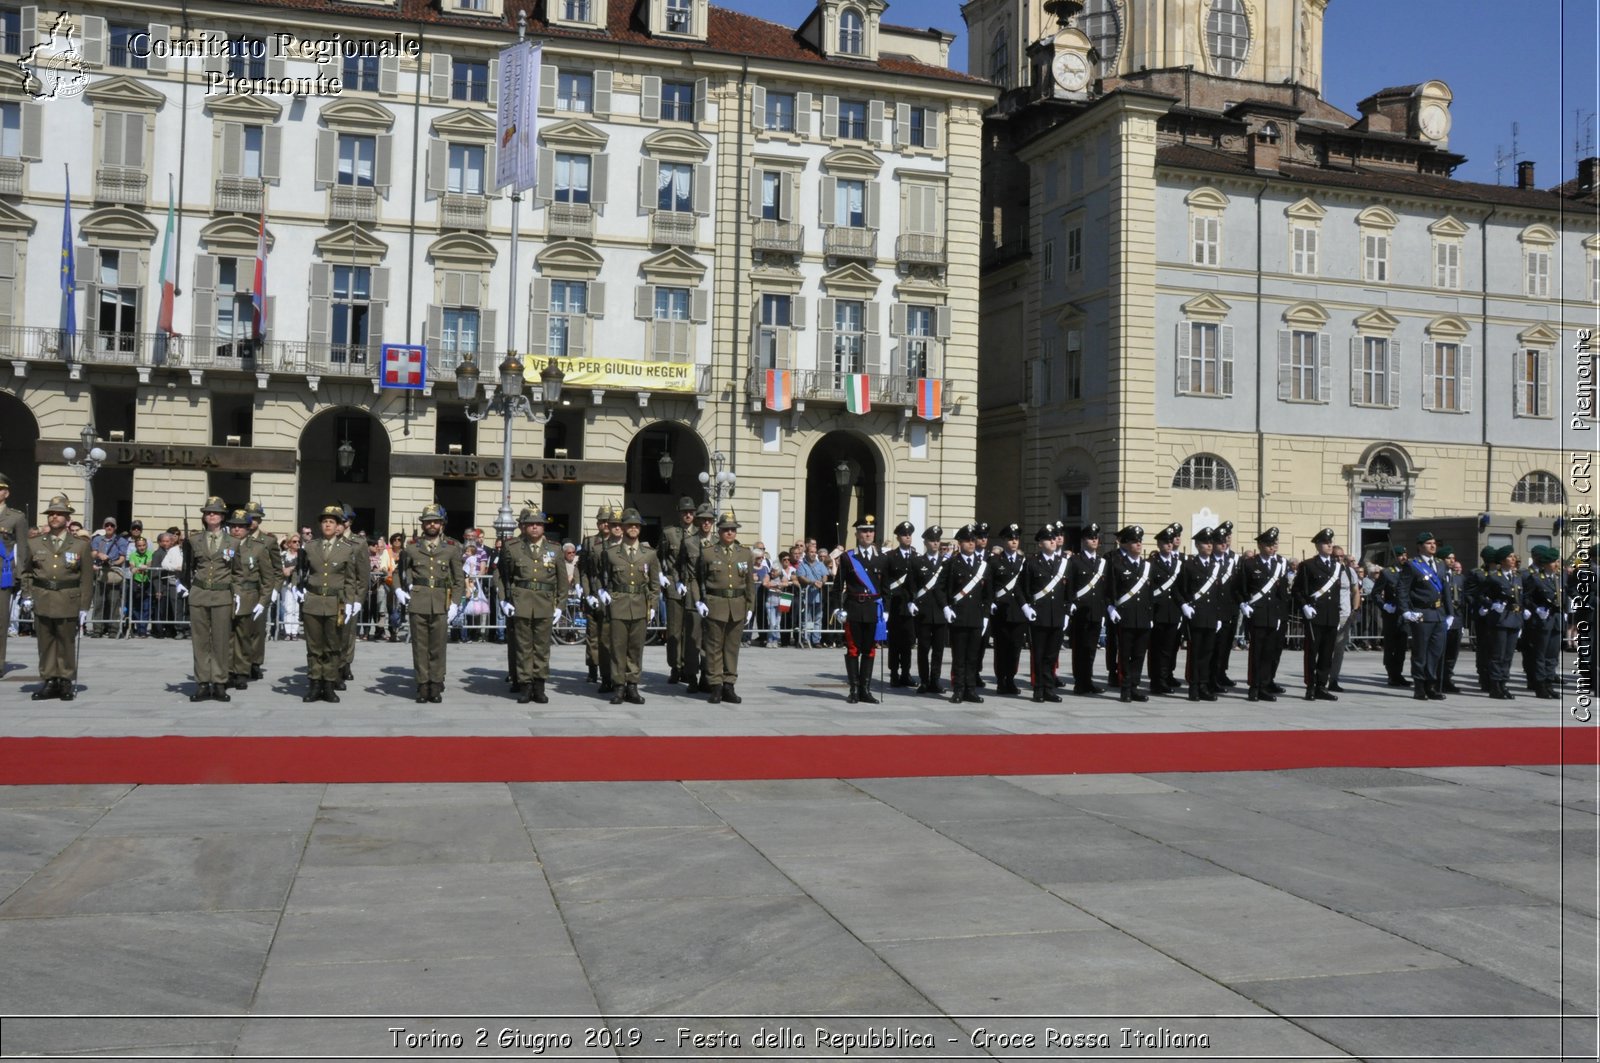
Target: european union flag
x,y
69,278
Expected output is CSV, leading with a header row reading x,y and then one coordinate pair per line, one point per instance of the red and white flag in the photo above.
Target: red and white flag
x,y
404,366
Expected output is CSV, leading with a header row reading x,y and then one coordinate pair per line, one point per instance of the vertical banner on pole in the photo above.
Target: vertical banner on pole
x,y
517,116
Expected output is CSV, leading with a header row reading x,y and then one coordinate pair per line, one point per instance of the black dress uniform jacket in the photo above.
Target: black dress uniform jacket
x,y
1166,573
859,602
1042,590
1006,577
1263,585
899,580
1132,588
968,599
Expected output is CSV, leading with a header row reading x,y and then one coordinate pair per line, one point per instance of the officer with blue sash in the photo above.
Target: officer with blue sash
x,y
1424,605
860,609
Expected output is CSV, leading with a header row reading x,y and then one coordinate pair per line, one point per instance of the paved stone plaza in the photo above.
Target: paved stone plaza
x,y
1261,905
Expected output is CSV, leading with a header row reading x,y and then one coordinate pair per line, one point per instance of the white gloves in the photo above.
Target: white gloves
x,y
237,604
594,603
255,614
1544,614
911,607
274,598
1247,609
183,592
299,594
1116,617
451,613
1484,611
507,609
749,615
605,596
1389,607
705,610
555,617
350,612
26,603
1027,610
1310,611
1411,617
839,615
682,590
83,618
402,596
1449,622
1219,625
991,610
1526,614
1498,607
661,578
984,630
949,615
1187,610
355,608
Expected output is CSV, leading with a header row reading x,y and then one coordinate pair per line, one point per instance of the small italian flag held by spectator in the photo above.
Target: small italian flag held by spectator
x,y
785,602
857,392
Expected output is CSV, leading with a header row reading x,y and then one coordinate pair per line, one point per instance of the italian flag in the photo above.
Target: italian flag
x,y
857,392
169,267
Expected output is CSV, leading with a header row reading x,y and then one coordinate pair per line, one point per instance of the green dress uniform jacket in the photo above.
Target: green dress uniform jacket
x,y
256,575
59,577
208,573
533,578
333,575
433,573
631,580
725,579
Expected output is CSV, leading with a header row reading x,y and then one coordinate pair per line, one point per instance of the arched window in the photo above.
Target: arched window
x,y
852,39
1205,472
1000,59
1538,488
1098,21
1227,36
1383,465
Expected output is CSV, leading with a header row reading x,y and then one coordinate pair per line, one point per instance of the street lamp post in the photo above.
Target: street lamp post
x,y
93,458
719,482
510,400
842,477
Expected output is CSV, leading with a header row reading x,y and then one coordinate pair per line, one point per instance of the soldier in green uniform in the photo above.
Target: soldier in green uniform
x,y
725,578
208,582
431,583
608,662
629,577
258,645
695,543
352,627
589,553
256,576
533,589
677,588
330,581
59,581
13,560
1544,621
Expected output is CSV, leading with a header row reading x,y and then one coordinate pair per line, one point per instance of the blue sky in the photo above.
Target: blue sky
x,y
1532,62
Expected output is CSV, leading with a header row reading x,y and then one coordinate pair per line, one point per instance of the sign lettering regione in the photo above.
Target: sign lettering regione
x,y
618,374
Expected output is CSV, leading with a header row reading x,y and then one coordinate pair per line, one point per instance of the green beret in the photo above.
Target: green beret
x,y
1446,550
1501,553
1424,537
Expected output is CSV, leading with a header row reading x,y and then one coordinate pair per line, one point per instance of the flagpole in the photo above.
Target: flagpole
x,y
504,523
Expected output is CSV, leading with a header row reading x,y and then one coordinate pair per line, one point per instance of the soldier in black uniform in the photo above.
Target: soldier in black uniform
x,y
1316,594
859,586
1200,593
1131,608
1086,601
981,548
927,607
1500,602
1473,586
1542,630
1425,610
1450,571
1166,568
966,588
1045,579
899,563
1387,590
1007,622
1262,590
1228,606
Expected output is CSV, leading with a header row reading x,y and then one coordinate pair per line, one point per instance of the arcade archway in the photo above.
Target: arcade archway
x,y
844,481
665,461
344,457
19,438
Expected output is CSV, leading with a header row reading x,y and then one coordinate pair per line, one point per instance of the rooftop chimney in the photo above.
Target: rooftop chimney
x,y
1588,173
1525,175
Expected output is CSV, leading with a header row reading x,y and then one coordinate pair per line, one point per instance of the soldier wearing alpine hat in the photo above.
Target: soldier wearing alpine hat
x,y
330,581
967,587
532,581
589,551
1262,590
696,541
1045,580
1542,596
1086,602
1316,594
256,578
431,584
59,584
351,630
13,559
1007,621
629,581
927,606
725,579
1166,569
676,589
257,642
899,565
1426,609
207,581
859,586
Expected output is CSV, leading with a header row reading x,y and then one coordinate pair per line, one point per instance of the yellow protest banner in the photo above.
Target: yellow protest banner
x,y
619,374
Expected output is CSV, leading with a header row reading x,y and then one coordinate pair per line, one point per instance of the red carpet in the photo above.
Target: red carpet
x,y
175,759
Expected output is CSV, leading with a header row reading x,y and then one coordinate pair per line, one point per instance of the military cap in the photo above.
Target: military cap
x,y
867,523
905,527
685,504
1133,533
981,529
1503,552
1487,553
932,534
1222,531
59,504
1011,531
349,512
254,509
1166,535
1201,535
1446,550
332,512
1323,536
615,515
238,519
603,513
529,515
630,516
1089,531
433,512
966,534
1543,555
5,481
727,521
1045,533
1424,537
1177,529
215,504
1268,537
704,511
1400,549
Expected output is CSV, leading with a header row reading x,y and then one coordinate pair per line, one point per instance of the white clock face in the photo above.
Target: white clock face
x,y
1071,71
1434,121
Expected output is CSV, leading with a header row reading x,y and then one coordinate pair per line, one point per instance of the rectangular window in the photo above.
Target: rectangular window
x,y
849,336
469,80
775,323
1074,373
474,5
780,112
1048,266
11,130
251,166
918,134
1533,383
1305,250
677,101
574,91
678,17
1373,373
572,177
361,73
352,288
118,316
1202,375
11,31
771,194
1303,367
1075,249
1538,270
247,57
1375,253
919,341
1447,265
853,119
675,187
1445,376
576,10
569,300
357,158
460,335
235,312
119,53
672,304
466,169
1207,237
850,203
